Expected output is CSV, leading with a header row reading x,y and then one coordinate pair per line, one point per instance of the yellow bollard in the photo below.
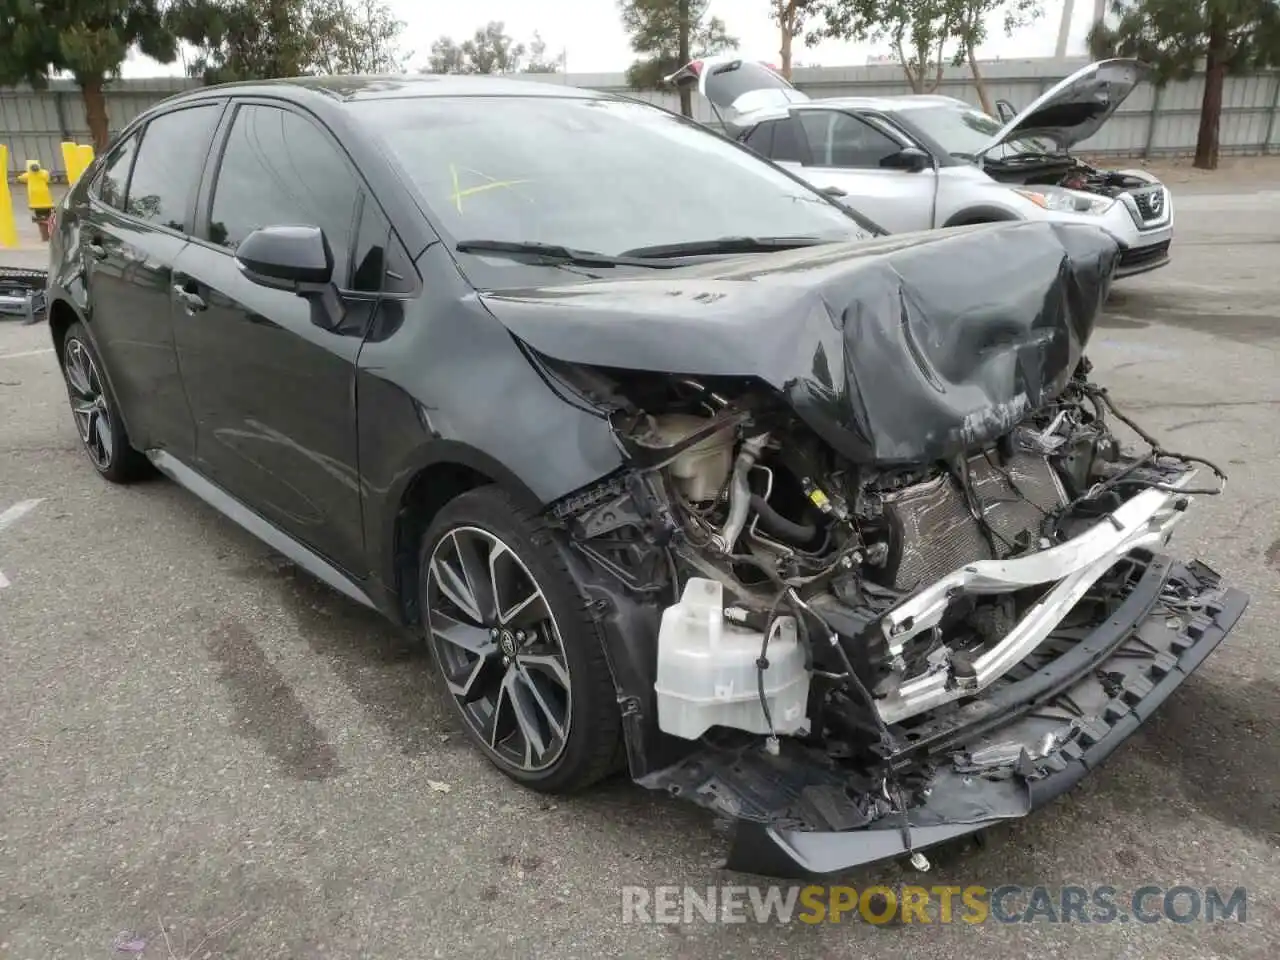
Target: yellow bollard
x,y
70,160
86,157
76,158
8,226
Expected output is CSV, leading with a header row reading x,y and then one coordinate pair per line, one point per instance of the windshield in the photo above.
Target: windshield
x,y
593,175
963,131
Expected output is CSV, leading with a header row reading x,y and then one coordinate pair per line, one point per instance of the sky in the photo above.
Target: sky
x,y
589,33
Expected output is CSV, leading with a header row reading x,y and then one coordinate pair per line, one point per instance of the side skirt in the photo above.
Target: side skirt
x,y
264,530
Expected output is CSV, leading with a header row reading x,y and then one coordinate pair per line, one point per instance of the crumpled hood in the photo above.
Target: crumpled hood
x,y
902,349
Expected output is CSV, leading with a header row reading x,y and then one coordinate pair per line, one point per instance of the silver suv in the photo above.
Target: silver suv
x,y
919,162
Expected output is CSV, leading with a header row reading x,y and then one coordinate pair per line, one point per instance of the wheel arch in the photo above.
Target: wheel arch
x,y
62,316
440,473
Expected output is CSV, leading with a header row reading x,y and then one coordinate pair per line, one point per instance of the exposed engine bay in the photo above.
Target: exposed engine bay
x,y
855,611
1066,171
873,568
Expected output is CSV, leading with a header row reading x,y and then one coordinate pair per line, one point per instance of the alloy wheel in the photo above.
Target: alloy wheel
x,y
89,403
499,647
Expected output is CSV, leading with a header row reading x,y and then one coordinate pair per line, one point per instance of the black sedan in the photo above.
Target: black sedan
x,y
674,462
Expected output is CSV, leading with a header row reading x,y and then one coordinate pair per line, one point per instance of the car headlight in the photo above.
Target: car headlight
x,y
1067,201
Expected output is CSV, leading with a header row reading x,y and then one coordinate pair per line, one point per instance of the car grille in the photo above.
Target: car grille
x,y
1137,256
1152,203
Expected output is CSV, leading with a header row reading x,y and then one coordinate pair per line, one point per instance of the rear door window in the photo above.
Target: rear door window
x,y
761,139
170,160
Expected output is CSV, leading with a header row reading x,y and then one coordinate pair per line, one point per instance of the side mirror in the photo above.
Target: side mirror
x,y
910,159
298,259
1005,110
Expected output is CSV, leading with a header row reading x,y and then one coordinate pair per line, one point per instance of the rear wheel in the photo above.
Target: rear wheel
x,y
97,418
521,657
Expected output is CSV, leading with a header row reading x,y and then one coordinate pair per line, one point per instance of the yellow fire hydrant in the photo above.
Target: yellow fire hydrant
x,y
39,199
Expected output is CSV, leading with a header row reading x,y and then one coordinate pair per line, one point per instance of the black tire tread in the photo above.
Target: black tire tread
x,y
601,727
129,465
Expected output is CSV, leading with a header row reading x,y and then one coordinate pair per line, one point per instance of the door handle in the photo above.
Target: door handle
x,y
193,302
98,250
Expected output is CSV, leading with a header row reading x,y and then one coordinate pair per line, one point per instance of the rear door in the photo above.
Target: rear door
x,y
835,148
272,392
140,212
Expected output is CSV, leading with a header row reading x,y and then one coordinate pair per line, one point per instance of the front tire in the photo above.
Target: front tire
x,y
521,657
97,418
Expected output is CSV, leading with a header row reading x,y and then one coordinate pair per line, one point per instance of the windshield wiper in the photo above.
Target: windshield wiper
x,y
695,248
550,253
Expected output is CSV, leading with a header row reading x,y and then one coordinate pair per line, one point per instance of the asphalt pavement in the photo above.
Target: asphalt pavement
x,y
204,753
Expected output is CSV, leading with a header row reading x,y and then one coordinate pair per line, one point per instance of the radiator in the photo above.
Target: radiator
x,y
934,531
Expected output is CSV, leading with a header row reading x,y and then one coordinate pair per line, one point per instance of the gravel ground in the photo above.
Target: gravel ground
x,y
208,750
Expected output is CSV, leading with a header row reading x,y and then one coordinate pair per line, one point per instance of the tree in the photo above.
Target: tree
x,y
260,39
490,50
970,28
919,32
538,61
1177,36
356,37
668,34
790,16
88,39
446,57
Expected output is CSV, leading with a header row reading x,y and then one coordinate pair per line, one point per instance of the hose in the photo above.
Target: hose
x,y
795,533
740,492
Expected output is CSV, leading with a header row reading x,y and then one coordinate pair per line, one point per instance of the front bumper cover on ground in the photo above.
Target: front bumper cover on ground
x,y
1080,705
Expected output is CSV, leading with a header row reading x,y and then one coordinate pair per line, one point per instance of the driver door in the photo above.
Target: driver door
x,y
273,393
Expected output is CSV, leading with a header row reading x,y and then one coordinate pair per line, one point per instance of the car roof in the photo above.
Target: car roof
x,y
384,87
891,104
909,101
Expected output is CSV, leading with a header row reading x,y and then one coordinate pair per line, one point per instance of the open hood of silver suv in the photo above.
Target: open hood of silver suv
x,y
1074,109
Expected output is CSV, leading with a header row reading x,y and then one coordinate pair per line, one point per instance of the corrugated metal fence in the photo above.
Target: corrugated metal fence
x,y
1152,122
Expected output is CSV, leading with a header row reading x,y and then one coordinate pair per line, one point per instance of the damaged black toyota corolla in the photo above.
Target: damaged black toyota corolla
x,y
674,462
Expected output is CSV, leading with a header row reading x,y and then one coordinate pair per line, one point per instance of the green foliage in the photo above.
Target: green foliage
x,y
490,50
918,31
1174,36
539,62
655,30
970,29
88,39
923,34
261,39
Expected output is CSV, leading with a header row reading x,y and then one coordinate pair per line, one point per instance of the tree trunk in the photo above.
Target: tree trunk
x,y
95,112
1211,105
979,84
913,80
937,75
787,23
686,95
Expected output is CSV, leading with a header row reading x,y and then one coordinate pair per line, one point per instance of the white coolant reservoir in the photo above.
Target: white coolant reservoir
x,y
707,674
